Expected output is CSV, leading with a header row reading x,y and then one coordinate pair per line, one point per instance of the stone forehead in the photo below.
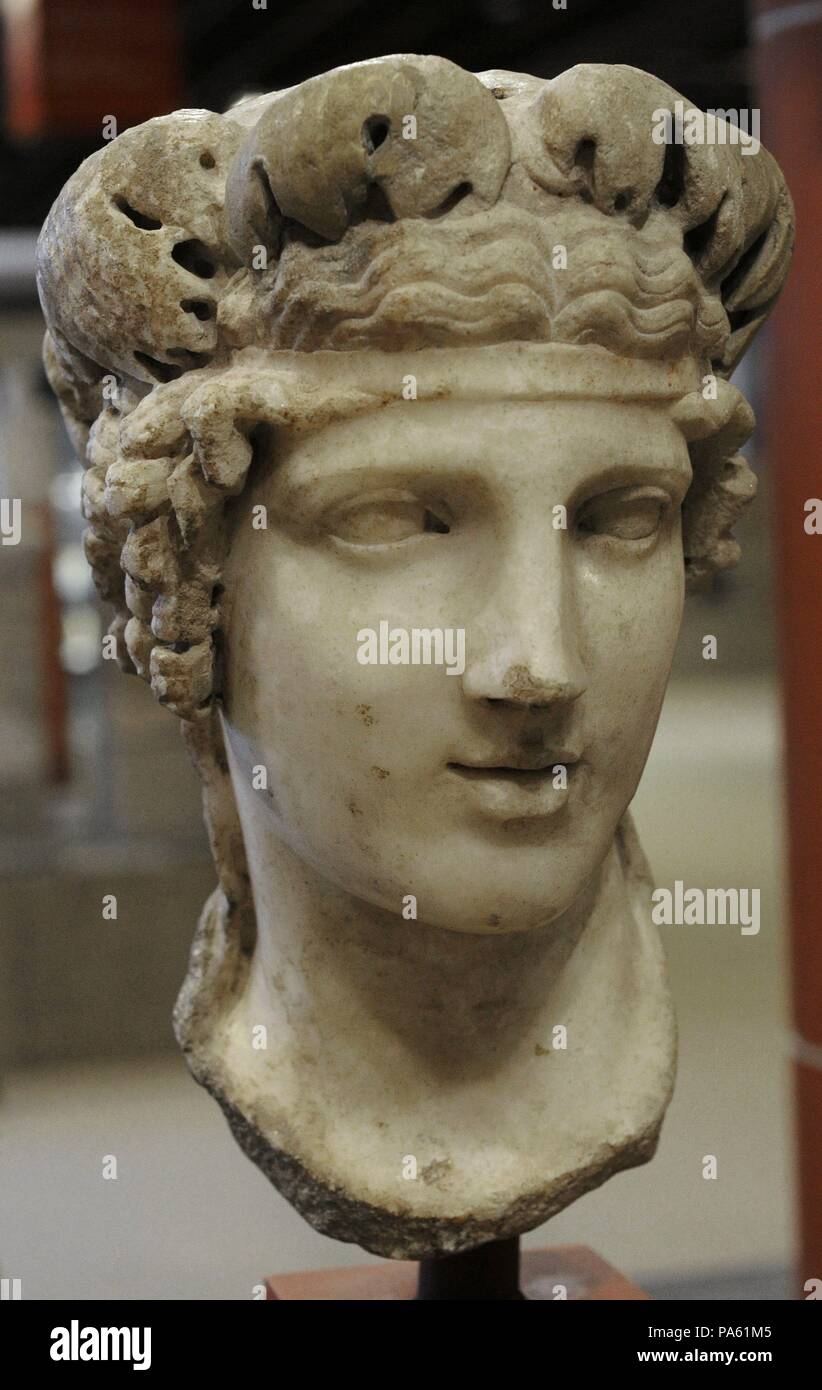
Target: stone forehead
x,y
324,384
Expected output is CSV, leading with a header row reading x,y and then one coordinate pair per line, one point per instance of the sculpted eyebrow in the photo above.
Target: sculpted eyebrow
x,y
622,472
309,476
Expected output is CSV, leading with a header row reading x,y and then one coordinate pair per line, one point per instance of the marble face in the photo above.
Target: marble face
x,y
407,779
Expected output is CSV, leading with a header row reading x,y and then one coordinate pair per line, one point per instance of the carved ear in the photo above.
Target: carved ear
x,y
133,257
422,132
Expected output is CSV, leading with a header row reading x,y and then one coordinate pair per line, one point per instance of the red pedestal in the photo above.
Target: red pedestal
x,y
545,1274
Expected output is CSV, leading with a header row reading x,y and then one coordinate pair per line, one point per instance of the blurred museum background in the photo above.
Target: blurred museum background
x,y
98,797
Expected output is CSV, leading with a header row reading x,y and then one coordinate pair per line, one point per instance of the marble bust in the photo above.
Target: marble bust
x,y
404,395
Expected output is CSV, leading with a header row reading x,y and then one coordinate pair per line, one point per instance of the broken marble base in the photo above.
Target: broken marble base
x,y
544,1274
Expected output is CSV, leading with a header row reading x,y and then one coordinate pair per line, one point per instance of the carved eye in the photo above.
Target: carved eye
x,y
627,514
387,520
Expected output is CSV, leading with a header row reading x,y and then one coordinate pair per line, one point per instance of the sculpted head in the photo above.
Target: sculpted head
x,y
474,368
404,398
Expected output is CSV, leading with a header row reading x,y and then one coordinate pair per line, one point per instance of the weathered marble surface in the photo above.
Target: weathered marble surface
x,y
406,315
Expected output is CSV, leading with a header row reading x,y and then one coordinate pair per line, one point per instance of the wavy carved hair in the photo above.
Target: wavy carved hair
x,y
317,219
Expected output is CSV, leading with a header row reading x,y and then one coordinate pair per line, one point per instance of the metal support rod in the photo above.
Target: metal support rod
x,y
489,1272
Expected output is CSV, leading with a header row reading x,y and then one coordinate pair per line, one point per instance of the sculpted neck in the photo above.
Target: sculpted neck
x,y
512,1072
396,993
375,1002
